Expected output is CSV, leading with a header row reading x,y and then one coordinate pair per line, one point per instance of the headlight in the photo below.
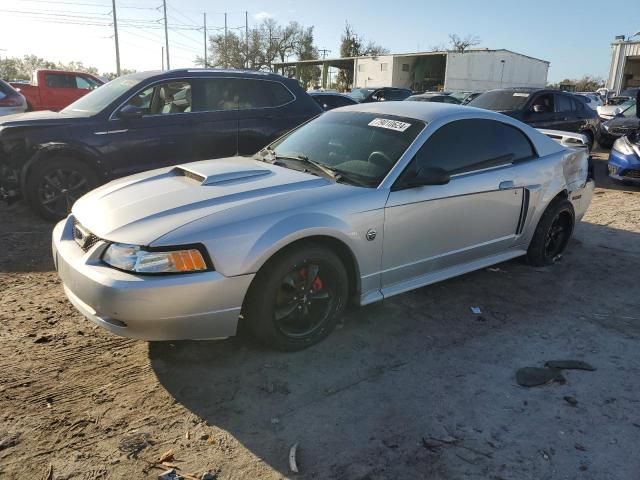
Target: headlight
x,y
622,145
134,259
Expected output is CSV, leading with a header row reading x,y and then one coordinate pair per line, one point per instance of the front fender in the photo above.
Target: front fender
x,y
44,150
297,227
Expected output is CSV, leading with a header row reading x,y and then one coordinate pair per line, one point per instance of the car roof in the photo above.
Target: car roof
x,y
182,72
425,111
337,94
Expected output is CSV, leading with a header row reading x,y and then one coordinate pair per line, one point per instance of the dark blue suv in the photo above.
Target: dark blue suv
x,y
143,121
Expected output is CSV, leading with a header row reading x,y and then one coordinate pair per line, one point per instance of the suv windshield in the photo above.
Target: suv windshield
x,y
359,94
100,98
358,147
500,100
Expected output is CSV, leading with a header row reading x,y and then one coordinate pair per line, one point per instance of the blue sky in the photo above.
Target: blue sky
x,y
574,36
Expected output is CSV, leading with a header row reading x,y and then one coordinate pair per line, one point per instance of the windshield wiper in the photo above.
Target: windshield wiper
x,y
299,158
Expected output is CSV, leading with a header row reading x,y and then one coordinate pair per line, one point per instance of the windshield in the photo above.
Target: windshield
x,y
99,99
500,100
629,111
362,147
359,94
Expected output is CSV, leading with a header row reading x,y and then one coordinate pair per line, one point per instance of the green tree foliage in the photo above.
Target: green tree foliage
x,y
23,68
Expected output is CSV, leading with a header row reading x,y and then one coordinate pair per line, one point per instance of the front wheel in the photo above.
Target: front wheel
x,y
55,183
552,233
297,298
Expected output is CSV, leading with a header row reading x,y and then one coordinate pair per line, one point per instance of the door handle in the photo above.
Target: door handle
x,y
506,185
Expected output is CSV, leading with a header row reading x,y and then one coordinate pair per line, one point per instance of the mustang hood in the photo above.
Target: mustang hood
x,y
140,208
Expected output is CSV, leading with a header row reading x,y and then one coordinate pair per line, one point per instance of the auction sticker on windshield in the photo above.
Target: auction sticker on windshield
x,y
519,94
396,125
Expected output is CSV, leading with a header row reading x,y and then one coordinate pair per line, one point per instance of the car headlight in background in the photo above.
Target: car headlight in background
x,y
623,146
133,258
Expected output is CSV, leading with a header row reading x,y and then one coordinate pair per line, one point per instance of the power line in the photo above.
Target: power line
x,y
106,5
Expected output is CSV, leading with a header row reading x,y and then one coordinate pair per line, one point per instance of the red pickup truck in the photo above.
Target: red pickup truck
x,y
55,89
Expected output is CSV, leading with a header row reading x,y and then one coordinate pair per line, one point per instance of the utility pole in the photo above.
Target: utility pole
x,y
166,32
246,35
205,39
162,57
115,35
324,52
226,52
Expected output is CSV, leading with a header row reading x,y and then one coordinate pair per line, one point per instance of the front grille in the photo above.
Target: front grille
x,y
630,173
83,237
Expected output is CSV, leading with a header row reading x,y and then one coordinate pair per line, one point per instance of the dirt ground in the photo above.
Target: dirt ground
x,y
417,387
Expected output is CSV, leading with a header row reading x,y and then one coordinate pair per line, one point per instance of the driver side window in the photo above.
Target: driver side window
x,y
164,99
464,146
542,103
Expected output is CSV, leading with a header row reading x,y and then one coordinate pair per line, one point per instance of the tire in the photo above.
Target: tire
x,y
297,298
552,233
55,183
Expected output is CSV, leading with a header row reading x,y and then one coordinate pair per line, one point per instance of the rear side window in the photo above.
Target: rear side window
x,y
56,80
565,104
240,94
474,144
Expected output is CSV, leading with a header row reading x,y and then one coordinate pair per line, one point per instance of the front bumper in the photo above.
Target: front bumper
x,y
625,168
163,307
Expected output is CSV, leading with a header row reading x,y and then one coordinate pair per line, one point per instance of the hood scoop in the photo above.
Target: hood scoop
x,y
222,172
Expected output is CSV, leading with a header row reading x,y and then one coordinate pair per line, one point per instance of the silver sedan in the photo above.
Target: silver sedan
x,y
360,204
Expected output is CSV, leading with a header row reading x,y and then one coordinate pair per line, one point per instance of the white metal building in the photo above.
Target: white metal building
x,y
473,70
625,65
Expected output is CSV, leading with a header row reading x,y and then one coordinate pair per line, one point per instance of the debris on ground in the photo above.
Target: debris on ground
x,y
133,444
534,376
476,310
8,440
292,458
170,475
580,447
276,387
49,474
569,365
42,339
166,456
571,400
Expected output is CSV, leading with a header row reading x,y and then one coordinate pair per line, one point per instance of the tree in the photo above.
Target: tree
x,y
304,49
461,44
268,43
351,45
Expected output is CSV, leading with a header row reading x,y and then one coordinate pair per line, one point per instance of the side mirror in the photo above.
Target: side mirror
x,y
129,112
539,109
427,176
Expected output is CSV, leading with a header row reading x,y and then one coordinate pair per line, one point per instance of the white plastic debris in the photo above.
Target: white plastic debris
x,y
476,310
292,458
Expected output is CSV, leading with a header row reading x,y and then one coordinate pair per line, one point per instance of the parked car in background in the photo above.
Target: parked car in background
x,y
364,202
382,94
11,100
624,123
331,100
140,122
460,96
624,159
542,108
55,89
607,112
470,97
433,97
591,100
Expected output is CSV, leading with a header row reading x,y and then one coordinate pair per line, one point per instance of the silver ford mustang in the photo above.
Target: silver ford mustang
x,y
362,203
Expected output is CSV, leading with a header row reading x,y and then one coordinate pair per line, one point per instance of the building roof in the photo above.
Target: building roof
x,y
347,60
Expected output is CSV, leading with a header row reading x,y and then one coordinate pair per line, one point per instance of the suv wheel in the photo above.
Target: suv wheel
x,y
55,183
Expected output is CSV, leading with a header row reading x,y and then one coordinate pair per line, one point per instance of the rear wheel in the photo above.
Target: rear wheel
x,y
552,233
297,299
55,183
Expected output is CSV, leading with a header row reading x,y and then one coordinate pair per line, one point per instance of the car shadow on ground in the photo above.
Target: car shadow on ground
x,y
422,365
